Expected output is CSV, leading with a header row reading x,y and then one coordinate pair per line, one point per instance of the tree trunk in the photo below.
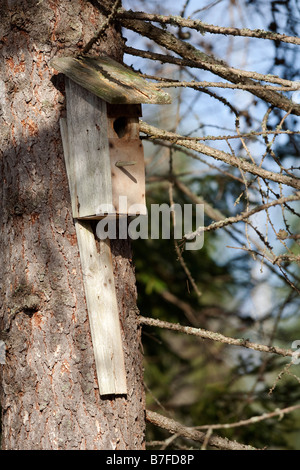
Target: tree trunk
x,y
49,393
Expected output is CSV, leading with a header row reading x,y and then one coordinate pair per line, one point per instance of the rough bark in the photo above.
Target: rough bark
x,y
49,392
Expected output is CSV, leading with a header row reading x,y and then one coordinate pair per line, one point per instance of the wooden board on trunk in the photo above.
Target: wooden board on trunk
x,y
102,307
100,294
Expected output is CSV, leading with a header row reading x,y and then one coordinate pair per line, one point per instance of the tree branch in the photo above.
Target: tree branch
x,y
207,28
232,86
252,420
170,59
190,433
207,62
220,155
243,216
206,334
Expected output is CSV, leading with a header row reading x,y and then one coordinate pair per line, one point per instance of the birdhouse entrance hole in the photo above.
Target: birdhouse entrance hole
x,y
120,126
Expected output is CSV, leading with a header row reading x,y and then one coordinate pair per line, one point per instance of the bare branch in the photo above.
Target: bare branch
x,y
243,216
219,155
164,82
190,433
207,62
240,136
253,420
284,277
176,245
169,59
206,334
207,28
232,86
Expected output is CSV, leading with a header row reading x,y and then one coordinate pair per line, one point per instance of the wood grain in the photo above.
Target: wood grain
x,y
110,80
100,295
90,173
102,307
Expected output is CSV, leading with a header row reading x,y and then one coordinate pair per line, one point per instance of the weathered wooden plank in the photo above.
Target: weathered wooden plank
x,y
68,163
90,173
110,80
100,297
103,310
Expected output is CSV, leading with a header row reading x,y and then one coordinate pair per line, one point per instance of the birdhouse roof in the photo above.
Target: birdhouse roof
x,y
110,80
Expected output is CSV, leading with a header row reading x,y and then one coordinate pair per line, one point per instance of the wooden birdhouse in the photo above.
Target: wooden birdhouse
x,y
104,161
106,154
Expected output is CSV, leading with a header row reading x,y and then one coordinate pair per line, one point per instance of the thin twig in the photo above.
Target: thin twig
x,y
266,361
279,377
103,28
207,437
284,277
177,249
253,420
243,216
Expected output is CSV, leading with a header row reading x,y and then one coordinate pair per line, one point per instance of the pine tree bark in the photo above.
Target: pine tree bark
x,y
49,393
